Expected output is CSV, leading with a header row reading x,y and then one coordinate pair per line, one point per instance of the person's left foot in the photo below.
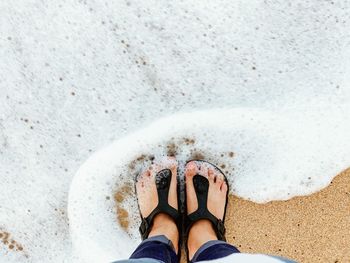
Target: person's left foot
x,y
202,231
147,196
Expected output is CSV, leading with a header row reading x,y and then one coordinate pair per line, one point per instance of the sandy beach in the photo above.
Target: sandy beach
x,y
312,228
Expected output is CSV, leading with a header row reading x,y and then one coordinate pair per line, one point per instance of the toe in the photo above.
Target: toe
x,y
143,177
224,187
155,168
173,165
219,180
172,162
203,170
211,176
146,173
191,169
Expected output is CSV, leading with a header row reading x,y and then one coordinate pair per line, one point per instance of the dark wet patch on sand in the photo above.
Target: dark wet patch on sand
x,y
142,158
172,149
123,218
120,196
10,243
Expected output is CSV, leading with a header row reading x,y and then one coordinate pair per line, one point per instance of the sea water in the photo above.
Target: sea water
x,y
92,91
266,156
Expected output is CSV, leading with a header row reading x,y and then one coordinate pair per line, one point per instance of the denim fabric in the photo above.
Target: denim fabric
x,y
214,250
161,250
156,249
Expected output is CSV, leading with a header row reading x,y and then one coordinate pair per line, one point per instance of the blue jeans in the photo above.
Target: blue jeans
x,y
161,250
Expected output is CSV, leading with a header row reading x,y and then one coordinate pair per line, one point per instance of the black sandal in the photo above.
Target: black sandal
x,y
201,187
163,180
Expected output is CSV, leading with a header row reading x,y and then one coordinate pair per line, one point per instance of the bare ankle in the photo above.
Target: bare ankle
x,y
164,225
201,232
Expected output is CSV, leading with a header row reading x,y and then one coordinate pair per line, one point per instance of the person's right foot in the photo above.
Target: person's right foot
x,y
202,231
147,197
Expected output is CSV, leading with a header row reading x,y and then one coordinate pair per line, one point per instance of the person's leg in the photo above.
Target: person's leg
x,y
163,239
213,250
159,248
202,242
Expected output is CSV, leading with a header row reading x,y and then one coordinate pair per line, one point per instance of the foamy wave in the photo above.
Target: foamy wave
x,y
267,156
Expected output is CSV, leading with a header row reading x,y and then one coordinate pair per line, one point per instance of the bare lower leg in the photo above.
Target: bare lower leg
x,y
148,199
164,225
201,232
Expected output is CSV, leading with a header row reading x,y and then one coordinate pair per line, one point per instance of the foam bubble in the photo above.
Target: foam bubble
x,y
266,156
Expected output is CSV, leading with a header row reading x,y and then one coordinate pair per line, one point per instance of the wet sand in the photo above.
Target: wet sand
x,y
313,228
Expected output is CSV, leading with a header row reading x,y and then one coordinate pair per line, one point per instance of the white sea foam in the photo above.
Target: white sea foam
x,y
267,156
78,75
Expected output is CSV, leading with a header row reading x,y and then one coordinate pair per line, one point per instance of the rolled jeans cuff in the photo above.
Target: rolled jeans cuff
x,y
213,250
162,239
